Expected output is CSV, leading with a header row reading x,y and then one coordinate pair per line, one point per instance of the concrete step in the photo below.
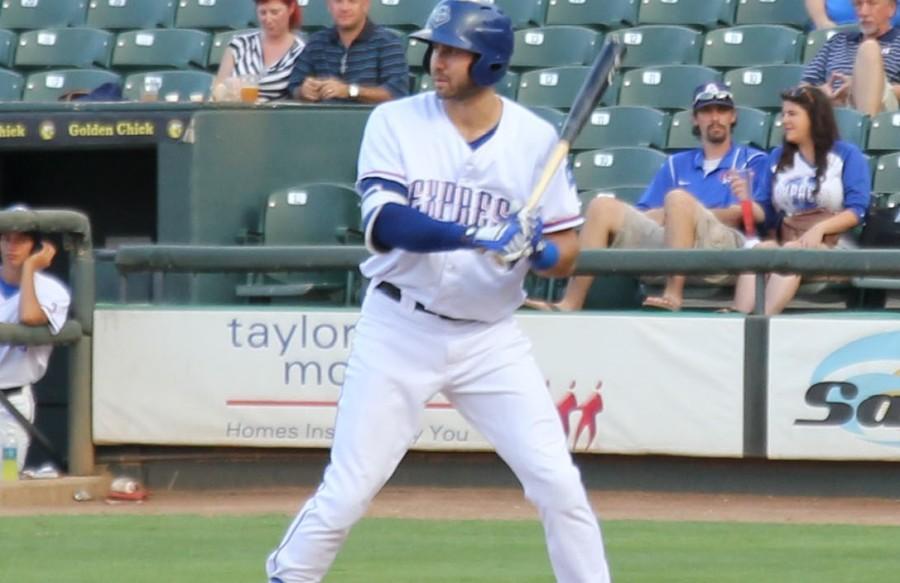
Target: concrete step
x,y
52,492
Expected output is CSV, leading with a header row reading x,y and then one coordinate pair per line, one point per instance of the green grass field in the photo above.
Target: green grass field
x,y
231,549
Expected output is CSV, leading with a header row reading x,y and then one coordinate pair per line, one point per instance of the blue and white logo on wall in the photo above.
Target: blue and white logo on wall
x,y
857,388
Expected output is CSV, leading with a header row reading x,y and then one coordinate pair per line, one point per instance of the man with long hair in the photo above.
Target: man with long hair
x,y
693,201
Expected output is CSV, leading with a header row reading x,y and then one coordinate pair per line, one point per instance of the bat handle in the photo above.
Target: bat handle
x,y
552,165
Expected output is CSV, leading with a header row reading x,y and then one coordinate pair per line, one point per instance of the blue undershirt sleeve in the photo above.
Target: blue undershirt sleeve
x,y
402,227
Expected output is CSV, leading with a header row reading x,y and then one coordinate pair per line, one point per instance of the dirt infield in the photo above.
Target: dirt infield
x,y
509,504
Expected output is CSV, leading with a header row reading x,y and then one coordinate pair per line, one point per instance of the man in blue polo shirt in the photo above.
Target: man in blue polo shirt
x,y
861,69
693,201
355,61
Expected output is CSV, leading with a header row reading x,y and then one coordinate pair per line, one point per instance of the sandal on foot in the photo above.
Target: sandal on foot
x,y
662,303
540,305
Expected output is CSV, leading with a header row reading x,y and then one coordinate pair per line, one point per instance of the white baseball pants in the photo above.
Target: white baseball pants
x,y
400,359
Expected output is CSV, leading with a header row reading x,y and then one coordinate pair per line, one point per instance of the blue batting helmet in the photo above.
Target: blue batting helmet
x,y
476,27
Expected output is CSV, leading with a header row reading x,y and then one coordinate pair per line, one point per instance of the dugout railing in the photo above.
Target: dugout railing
x,y
192,259
75,230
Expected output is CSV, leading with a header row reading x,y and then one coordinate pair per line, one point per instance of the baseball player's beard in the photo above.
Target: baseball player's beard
x,y
461,92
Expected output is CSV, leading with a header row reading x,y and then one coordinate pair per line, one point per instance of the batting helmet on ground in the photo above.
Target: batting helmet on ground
x,y
479,28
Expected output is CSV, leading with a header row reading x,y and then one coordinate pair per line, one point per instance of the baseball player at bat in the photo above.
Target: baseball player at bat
x,y
442,175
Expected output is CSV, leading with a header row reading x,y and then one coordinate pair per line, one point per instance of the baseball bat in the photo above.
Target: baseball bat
x,y
597,81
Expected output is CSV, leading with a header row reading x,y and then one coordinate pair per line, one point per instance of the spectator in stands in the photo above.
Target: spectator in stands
x,y
693,201
353,61
819,181
268,54
861,69
831,13
27,296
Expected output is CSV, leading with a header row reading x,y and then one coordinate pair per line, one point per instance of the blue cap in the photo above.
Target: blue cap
x,y
712,93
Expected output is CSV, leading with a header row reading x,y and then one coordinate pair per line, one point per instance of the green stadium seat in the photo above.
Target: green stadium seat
x,y
816,38
615,167
507,86
215,14
595,13
34,14
761,86
307,214
162,47
554,46
130,14
884,132
659,44
402,14
887,173
523,13
751,45
220,43
64,47
415,53
853,126
705,14
51,85
664,87
173,85
7,48
551,87
623,125
553,116
752,128
11,84
789,12
315,14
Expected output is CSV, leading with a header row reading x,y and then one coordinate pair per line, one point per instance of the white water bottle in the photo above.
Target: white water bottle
x,y
9,472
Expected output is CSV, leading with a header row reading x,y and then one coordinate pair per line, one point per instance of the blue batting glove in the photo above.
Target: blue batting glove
x,y
510,240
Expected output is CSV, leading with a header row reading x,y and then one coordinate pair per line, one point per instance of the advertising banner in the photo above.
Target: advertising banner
x,y
834,389
270,378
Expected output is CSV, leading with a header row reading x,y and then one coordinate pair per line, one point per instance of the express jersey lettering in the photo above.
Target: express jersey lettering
x,y
446,201
411,143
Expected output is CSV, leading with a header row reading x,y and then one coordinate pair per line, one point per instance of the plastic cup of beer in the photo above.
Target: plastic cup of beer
x,y
150,90
249,88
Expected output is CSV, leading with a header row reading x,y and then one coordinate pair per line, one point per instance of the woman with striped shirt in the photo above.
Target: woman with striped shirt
x,y
268,53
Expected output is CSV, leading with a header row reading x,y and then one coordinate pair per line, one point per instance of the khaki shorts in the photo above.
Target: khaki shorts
x,y
640,232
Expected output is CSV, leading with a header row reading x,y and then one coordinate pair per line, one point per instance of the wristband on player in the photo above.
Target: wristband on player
x,y
545,257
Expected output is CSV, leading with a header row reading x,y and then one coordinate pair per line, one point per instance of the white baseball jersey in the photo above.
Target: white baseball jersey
x,y
23,365
449,181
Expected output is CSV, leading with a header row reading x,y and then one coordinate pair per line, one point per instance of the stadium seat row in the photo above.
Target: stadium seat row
x,y
667,87
653,45
551,46
626,125
625,171
167,85
404,14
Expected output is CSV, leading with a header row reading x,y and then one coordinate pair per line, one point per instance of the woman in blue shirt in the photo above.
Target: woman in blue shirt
x,y
812,170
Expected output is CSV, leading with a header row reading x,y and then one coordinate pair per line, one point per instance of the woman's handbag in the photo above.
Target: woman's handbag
x,y
793,227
